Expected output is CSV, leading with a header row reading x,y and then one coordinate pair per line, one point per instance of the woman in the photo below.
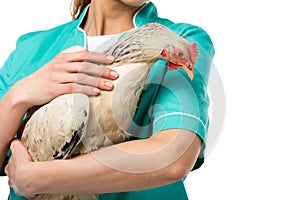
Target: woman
x,y
171,134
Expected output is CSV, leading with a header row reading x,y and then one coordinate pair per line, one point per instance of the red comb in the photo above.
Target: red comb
x,y
193,52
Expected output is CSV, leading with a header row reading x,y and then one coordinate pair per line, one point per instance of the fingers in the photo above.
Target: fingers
x,y
86,56
79,72
13,148
77,88
91,69
85,74
19,150
19,153
86,80
15,168
6,170
82,82
85,89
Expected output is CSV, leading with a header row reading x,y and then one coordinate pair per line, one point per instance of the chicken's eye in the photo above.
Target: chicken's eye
x,y
180,54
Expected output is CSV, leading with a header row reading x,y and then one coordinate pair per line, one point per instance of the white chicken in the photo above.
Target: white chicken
x,y
75,124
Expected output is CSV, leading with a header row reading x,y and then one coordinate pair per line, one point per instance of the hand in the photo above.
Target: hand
x,y
78,72
16,170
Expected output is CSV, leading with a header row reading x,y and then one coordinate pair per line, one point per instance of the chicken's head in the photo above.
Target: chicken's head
x,y
183,58
153,42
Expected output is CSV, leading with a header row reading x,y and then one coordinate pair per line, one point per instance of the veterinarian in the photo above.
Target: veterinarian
x,y
170,125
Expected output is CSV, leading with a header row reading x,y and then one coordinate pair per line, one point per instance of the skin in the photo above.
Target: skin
x,y
85,174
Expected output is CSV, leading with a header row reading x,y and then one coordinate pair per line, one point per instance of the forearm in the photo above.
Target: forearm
x,y
143,164
81,178
12,112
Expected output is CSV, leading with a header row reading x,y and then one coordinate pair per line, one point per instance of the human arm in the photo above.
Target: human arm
x,y
66,73
177,149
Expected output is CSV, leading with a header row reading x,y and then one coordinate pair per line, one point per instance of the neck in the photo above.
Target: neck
x,y
106,17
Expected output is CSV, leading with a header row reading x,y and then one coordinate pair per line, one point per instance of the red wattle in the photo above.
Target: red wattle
x,y
172,66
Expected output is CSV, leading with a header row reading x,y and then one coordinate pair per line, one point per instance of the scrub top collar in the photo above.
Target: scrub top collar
x,y
146,14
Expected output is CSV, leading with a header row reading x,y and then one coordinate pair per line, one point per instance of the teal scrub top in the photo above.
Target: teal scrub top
x,y
169,101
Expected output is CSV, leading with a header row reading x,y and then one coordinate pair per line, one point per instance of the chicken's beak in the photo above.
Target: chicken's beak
x,y
189,69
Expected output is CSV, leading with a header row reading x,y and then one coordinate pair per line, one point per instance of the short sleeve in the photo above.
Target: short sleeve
x,y
5,74
183,103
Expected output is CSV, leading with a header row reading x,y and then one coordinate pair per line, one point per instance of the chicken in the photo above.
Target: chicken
x,y
75,124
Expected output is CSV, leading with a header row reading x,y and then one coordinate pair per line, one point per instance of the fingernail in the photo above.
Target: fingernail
x,y
109,57
108,84
96,90
114,74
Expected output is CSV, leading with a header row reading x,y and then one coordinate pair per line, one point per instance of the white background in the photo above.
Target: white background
x,y
257,46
